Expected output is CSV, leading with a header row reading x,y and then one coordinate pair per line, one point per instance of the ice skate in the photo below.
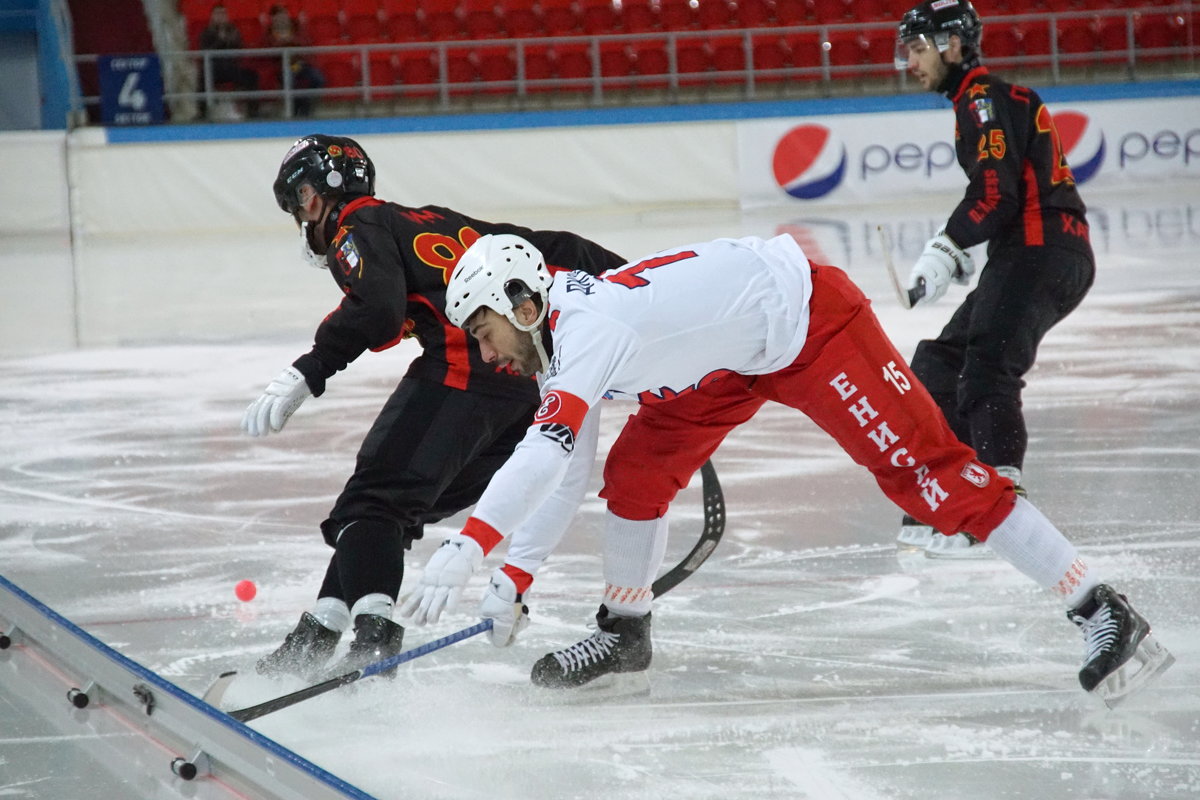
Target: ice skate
x,y
1120,655
375,638
913,534
618,652
959,546
303,652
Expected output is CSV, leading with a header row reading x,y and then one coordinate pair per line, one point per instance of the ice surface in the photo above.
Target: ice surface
x,y
806,659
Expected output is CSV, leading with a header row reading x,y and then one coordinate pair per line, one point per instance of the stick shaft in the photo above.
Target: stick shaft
x,y
383,665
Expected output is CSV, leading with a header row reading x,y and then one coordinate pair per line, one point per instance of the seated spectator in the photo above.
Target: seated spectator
x,y
283,31
221,34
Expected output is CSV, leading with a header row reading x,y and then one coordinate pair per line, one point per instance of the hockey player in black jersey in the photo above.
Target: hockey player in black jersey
x,y
452,419
1021,199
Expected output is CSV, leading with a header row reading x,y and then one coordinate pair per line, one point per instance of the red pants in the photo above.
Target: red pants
x,y
850,380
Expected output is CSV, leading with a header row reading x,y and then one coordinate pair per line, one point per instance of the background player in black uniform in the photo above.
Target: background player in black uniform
x,y
1021,200
448,426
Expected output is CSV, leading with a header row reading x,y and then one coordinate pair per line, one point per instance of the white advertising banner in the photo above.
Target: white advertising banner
x,y
884,157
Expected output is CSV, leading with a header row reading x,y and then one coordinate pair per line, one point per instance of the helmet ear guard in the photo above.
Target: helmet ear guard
x,y
500,272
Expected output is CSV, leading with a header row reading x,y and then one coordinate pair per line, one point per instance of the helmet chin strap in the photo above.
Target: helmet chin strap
x,y
535,333
541,351
310,256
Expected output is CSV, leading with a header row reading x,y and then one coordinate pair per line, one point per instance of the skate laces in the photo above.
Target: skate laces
x,y
592,649
1100,631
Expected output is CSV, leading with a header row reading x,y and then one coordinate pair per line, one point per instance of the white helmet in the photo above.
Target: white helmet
x,y
499,271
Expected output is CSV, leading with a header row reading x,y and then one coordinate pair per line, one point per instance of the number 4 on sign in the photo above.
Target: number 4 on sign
x,y
893,375
131,96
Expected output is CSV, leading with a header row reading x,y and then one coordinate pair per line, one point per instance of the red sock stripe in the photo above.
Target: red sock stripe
x,y
626,594
520,577
487,536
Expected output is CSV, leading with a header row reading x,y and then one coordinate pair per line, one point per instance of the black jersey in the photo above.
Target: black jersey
x,y
1021,191
392,263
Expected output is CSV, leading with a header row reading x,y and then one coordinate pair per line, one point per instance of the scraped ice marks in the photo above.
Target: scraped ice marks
x,y
812,774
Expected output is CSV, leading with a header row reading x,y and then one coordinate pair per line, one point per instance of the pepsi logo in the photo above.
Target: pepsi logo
x,y
809,162
1082,143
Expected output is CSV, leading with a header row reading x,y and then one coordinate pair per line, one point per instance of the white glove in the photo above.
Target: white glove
x,y
279,401
445,576
941,262
502,605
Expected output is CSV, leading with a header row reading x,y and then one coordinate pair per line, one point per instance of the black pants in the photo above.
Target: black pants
x,y
975,368
430,454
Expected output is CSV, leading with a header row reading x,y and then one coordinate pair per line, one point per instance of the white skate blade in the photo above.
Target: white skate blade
x,y
916,537
612,685
1149,661
957,546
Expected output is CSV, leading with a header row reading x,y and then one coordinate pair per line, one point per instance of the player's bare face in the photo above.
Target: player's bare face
x,y
925,63
502,344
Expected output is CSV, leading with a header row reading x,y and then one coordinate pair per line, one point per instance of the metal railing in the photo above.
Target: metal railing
x,y
816,65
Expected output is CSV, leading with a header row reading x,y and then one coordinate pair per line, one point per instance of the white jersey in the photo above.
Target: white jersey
x,y
651,330
664,325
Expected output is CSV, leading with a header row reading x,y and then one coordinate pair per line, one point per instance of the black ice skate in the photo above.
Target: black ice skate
x,y
304,651
1120,655
619,645
375,638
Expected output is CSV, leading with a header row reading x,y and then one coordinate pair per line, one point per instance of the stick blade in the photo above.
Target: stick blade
x,y
215,693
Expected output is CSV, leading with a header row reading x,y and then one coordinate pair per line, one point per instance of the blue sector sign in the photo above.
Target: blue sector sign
x,y
131,90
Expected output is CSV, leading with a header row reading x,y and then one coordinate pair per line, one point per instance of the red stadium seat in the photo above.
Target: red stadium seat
x,y
678,15
496,65
879,47
560,17
1112,37
598,17
396,21
872,11
1077,37
715,14
806,50
771,53
792,12
846,49
652,62
1158,30
640,16
418,68
322,20
539,65
616,64
574,62
829,11
1002,41
340,72
481,19
692,61
754,13
728,55
522,18
1035,40
440,19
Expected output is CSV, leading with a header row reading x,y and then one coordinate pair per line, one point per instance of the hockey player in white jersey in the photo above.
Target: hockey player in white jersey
x,y
703,336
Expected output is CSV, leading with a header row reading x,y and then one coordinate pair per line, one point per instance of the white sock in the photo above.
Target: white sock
x,y
1031,543
333,613
378,604
633,552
